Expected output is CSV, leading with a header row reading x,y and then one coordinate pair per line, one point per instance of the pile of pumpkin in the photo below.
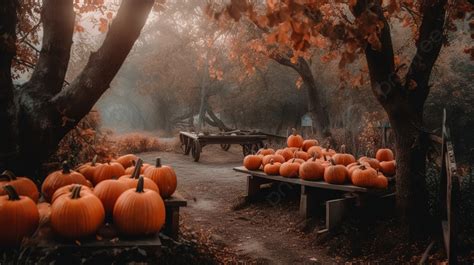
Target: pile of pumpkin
x,y
309,161
78,202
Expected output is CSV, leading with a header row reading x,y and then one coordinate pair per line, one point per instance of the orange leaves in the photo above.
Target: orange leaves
x,y
299,82
103,25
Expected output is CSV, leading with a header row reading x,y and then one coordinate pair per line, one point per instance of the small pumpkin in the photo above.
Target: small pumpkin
x,y
374,163
108,192
381,182
266,151
77,215
88,169
335,174
129,170
307,144
364,176
272,168
315,151
286,153
23,185
311,170
290,169
164,177
127,160
252,162
302,155
61,178
388,168
132,180
353,166
276,158
67,190
295,140
19,217
384,154
139,211
328,151
107,170
342,158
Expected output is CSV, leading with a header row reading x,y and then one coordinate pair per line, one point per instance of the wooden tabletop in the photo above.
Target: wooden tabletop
x,y
217,136
176,200
316,184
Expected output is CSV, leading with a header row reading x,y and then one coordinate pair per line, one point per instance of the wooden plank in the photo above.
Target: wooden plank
x,y
308,202
336,210
316,184
176,200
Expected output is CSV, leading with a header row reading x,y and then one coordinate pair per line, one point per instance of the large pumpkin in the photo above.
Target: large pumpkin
x,y
295,140
19,217
108,192
384,154
272,168
364,176
132,180
88,169
290,169
353,166
388,167
77,215
164,177
252,162
335,174
108,170
311,170
127,160
276,158
61,178
309,143
139,211
342,158
68,189
23,185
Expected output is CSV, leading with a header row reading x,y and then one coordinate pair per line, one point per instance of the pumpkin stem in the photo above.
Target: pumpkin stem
x,y
76,192
134,162
12,194
136,171
343,148
66,168
363,167
294,159
265,146
314,156
140,185
271,161
94,160
8,175
332,161
294,131
158,162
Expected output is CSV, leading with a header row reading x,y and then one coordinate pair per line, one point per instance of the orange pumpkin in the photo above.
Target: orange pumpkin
x,y
302,155
59,179
311,170
353,166
315,151
364,176
67,190
108,170
374,163
139,211
276,158
108,192
88,169
19,217
295,140
290,169
309,143
388,168
286,153
77,215
384,154
381,182
44,210
272,168
164,177
335,174
127,160
266,151
132,180
343,158
252,162
23,185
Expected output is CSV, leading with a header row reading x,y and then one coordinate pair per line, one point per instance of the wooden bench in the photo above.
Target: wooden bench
x,y
172,206
338,199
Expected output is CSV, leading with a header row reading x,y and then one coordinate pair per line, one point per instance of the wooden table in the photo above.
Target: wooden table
x,y
338,199
172,206
193,143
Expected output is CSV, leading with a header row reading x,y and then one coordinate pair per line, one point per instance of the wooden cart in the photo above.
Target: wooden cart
x,y
193,143
338,199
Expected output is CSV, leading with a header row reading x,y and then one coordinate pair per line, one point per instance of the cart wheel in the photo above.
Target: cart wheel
x,y
187,146
196,151
225,147
255,148
182,140
246,149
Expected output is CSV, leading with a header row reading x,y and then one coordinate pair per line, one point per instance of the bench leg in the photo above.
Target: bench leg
x,y
308,202
253,186
336,210
172,222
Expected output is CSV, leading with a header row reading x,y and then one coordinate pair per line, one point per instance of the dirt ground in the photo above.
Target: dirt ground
x,y
268,232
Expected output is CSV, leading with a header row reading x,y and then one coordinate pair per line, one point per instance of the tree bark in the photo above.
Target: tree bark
x,y
43,111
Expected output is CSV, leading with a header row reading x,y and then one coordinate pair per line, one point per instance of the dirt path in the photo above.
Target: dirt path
x,y
266,232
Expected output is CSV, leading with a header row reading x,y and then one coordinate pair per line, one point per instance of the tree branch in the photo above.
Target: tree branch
x,y
58,26
77,99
